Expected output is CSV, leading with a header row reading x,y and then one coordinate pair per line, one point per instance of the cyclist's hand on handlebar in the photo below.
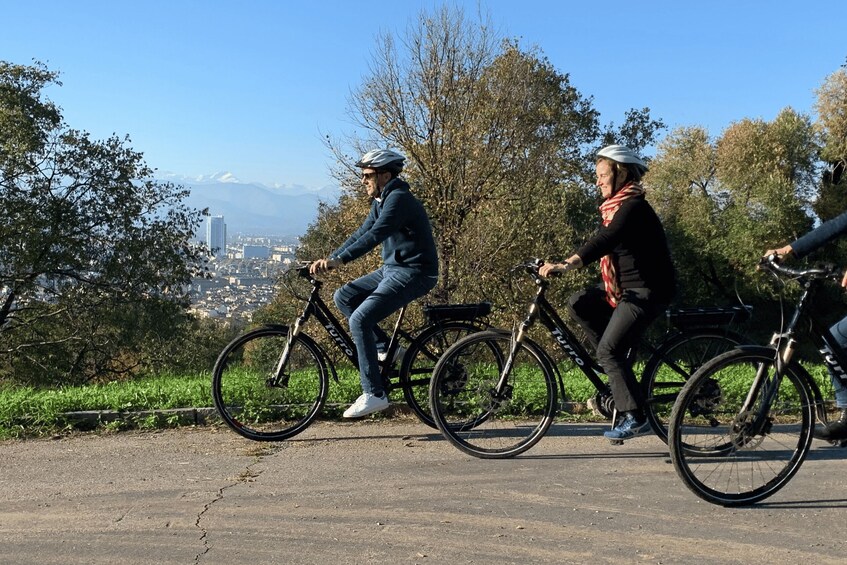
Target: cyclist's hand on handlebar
x,y
323,266
550,269
783,251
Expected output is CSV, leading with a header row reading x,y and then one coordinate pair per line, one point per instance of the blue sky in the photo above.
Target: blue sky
x,y
249,86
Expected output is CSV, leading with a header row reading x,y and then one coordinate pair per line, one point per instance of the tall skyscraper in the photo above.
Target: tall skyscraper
x,y
216,236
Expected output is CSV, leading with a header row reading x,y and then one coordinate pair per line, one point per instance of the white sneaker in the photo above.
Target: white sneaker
x,y
398,355
366,404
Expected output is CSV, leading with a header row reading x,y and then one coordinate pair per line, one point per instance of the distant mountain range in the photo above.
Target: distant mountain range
x,y
255,209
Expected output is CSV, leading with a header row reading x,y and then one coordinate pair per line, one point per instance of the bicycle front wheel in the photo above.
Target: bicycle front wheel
x,y
733,451
672,364
482,414
419,362
261,400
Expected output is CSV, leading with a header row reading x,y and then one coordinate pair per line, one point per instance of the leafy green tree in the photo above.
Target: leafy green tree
x,y
831,106
637,132
683,188
770,172
95,256
831,126
724,201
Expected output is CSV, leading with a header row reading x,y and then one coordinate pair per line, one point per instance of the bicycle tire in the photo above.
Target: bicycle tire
x,y
671,365
420,359
715,448
469,412
246,400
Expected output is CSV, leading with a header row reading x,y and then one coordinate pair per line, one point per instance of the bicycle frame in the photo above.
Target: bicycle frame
x,y
315,306
318,308
540,309
784,348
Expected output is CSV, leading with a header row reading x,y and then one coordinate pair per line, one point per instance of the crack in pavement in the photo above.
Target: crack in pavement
x,y
246,476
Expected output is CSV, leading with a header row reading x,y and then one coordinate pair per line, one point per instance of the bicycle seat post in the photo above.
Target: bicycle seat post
x,y
392,344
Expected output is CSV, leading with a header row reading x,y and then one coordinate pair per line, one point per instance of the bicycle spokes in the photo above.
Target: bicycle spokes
x,y
740,429
487,408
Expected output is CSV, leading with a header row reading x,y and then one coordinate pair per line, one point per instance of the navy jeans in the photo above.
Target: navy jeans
x,y
368,300
613,332
839,332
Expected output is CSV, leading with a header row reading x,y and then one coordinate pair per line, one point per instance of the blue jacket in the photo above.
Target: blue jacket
x,y
822,234
399,222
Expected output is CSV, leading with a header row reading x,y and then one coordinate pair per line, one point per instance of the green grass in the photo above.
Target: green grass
x,y
27,411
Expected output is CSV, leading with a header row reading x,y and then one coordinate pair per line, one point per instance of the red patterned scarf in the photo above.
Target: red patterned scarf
x,y
608,209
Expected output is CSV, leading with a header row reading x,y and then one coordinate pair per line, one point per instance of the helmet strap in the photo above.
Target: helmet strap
x,y
379,188
614,179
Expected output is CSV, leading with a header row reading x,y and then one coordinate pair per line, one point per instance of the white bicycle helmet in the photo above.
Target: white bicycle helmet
x,y
622,154
381,159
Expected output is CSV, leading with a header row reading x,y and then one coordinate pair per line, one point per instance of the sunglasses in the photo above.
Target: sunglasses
x,y
368,176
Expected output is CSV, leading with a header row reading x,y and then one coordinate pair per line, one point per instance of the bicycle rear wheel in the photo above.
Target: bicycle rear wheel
x,y
672,364
252,401
477,417
731,455
419,362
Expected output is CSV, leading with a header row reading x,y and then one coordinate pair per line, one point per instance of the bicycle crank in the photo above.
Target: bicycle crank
x,y
602,404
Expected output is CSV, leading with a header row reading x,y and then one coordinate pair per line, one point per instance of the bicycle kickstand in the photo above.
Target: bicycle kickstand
x,y
614,423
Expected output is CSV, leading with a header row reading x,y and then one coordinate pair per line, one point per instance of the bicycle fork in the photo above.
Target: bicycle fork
x,y
752,422
279,377
502,391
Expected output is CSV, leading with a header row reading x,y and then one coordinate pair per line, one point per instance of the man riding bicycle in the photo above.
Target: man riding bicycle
x,y
398,221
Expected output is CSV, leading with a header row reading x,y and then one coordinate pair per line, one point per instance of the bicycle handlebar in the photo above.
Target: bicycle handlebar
x,y
771,263
303,269
529,265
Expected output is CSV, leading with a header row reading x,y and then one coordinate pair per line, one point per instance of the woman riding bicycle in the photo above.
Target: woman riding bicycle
x,y
638,280
826,232
398,221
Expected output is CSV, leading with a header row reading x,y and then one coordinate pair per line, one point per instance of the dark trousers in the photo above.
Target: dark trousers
x,y
613,332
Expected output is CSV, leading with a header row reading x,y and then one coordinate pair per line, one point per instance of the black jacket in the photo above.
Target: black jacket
x,y
636,240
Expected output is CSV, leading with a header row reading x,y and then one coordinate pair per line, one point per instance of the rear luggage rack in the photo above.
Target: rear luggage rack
x,y
709,316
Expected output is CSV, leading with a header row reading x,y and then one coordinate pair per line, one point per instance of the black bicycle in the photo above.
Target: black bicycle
x,y
271,383
494,394
742,426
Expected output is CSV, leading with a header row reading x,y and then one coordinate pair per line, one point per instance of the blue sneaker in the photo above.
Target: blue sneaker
x,y
627,428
